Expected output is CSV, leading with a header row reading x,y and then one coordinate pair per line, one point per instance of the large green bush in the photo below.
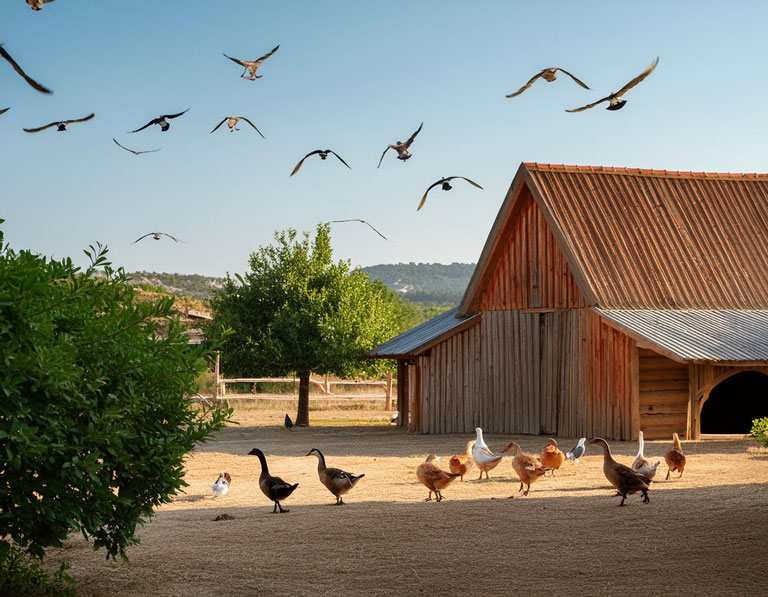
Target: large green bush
x,y
760,430
94,419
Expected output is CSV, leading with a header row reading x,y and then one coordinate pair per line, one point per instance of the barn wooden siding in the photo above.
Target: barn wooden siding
x,y
664,395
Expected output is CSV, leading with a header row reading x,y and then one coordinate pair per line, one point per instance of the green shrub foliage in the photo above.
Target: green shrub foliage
x,y
94,423
760,430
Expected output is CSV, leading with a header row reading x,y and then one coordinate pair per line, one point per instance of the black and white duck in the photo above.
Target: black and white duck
x,y
615,101
61,125
444,184
162,121
323,153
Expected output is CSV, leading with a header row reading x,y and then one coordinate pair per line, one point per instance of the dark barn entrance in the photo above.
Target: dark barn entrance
x,y
735,402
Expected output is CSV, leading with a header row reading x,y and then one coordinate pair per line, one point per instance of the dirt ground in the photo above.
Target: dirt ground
x,y
702,534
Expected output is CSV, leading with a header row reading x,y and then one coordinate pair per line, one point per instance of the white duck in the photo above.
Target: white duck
x,y
577,451
483,457
641,464
221,487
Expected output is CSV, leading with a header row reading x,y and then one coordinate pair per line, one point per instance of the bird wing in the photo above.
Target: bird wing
x,y
145,236
526,86
593,104
80,119
222,122
424,198
562,70
341,160
174,115
4,110
24,75
150,123
259,61
172,237
296,169
126,149
364,222
464,178
638,78
383,154
237,60
253,125
41,128
412,137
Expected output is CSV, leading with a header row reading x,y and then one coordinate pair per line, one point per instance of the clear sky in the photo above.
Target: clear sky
x,y
353,77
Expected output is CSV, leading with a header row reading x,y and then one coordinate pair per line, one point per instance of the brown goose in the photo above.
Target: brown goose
x,y
323,153
134,151
273,487
232,124
548,74
162,121
401,148
527,466
614,99
60,125
434,478
252,65
156,236
445,186
364,222
335,480
24,75
38,4
624,479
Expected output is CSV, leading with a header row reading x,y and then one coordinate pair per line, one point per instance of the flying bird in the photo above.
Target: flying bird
x,y
288,423
252,65
162,121
323,153
132,151
232,124
401,148
156,236
364,222
614,99
548,74
445,186
38,4
577,451
24,75
4,110
60,125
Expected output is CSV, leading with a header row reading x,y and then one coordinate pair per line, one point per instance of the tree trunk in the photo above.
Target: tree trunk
x,y
302,417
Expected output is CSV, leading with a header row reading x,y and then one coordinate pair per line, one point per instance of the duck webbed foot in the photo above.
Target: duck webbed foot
x,y
281,509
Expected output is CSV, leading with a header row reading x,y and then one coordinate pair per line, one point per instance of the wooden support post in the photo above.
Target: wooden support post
x,y
402,392
216,375
327,384
388,390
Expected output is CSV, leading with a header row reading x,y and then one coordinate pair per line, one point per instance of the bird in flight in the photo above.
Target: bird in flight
x,y
549,75
364,222
4,110
132,151
323,153
401,148
614,99
38,4
445,186
156,236
232,124
252,65
162,121
60,125
24,75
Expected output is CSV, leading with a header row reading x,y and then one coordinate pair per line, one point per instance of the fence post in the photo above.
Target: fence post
x,y
327,384
216,376
388,390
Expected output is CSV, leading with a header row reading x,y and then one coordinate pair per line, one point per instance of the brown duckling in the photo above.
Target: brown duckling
x,y
273,487
624,479
462,463
527,466
551,456
675,458
434,478
335,480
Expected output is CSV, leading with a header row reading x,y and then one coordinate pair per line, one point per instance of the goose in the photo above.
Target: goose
x,y
221,487
60,125
624,479
434,478
364,222
252,65
156,236
577,451
527,466
274,488
641,464
162,121
401,148
483,457
287,423
675,458
445,186
232,124
549,75
37,4
462,463
615,101
323,153
335,480
552,457
21,72
133,151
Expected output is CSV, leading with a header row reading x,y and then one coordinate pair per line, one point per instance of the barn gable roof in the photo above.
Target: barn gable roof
x,y
647,239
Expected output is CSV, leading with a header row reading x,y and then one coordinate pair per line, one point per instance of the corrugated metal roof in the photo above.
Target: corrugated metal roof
x,y
415,340
699,335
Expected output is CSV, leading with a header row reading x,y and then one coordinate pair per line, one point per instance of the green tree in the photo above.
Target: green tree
x,y
296,311
94,419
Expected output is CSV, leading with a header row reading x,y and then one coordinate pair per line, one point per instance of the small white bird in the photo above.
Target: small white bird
x,y
578,451
483,457
221,487
641,464
394,418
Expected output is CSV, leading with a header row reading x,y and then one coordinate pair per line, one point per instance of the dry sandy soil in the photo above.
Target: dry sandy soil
x,y
702,534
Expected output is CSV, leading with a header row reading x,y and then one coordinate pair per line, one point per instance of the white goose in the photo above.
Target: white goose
x,y
483,457
221,487
641,464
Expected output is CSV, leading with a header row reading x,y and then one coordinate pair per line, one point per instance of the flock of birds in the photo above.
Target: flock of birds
x,y
402,148
626,479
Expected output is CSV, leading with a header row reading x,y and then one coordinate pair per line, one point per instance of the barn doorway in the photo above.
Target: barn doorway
x,y
735,402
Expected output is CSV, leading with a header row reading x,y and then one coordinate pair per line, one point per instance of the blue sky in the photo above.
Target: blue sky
x,y
353,77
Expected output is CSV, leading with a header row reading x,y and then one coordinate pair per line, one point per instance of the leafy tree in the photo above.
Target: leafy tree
x,y
298,311
94,423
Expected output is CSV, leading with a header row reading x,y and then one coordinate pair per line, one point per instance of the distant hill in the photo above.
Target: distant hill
x,y
189,285
424,282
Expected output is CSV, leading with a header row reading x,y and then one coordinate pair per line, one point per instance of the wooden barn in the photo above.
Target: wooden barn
x,y
605,301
